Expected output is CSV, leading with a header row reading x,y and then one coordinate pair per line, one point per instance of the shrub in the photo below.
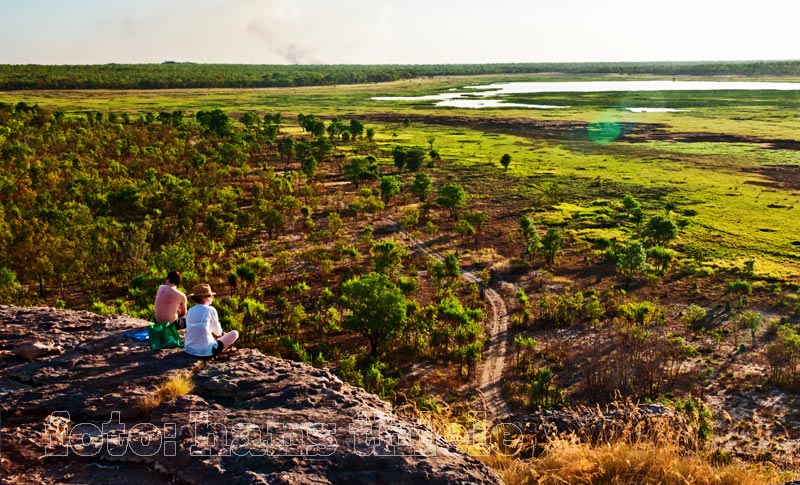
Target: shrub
x,y
694,315
747,320
783,356
296,350
567,309
348,371
741,287
375,381
300,287
699,414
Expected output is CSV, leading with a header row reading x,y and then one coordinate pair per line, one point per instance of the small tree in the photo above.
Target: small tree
x,y
552,243
631,260
522,304
274,119
661,258
377,308
477,219
414,158
660,230
8,281
272,219
316,128
410,158
309,167
784,356
249,120
523,348
357,169
356,128
421,187
505,161
399,155
532,240
742,289
216,121
694,315
465,229
286,148
452,197
452,266
749,268
470,355
388,257
321,148
747,320
630,204
246,277
431,139
336,128
390,186
447,271
410,218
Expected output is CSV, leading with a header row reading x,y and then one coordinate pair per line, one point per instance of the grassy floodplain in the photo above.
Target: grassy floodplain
x,y
738,184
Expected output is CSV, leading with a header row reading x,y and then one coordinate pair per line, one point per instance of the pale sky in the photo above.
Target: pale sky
x,y
395,31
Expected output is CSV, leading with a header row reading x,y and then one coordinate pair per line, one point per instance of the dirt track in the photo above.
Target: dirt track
x,y
494,358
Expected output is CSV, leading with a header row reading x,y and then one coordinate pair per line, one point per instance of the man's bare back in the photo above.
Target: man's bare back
x,y
170,303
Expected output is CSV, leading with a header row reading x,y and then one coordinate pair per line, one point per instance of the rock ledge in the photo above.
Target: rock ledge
x,y
73,412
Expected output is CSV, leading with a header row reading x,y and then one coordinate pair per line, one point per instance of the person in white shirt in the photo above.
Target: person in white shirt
x,y
170,304
204,335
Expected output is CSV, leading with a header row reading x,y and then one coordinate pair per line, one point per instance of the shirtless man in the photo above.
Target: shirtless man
x,y
170,305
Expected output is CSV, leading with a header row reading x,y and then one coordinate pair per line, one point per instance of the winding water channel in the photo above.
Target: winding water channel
x,y
490,95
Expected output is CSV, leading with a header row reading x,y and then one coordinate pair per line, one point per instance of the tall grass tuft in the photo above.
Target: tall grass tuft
x,y
178,384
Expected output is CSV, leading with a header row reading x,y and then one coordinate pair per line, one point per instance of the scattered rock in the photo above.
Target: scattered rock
x,y
31,349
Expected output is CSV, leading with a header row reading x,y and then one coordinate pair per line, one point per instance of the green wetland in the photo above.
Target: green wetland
x,y
729,157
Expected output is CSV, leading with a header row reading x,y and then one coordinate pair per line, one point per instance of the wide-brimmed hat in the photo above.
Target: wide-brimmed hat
x,y
202,290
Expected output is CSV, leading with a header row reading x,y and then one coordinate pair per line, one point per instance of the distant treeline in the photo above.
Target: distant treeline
x,y
188,75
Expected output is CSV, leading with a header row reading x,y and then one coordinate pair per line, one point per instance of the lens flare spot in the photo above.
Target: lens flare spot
x,y
604,129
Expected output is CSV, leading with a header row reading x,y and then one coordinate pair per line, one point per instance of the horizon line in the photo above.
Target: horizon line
x,y
168,62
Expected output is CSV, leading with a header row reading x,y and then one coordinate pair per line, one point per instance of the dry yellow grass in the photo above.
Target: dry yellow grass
x,y
567,461
619,455
178,384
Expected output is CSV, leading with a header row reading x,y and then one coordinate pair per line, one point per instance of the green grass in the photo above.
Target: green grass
x,y
737,217
740,213
751,113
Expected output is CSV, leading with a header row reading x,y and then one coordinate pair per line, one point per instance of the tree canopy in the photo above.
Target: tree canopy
x,y
377,308
452,197
171,75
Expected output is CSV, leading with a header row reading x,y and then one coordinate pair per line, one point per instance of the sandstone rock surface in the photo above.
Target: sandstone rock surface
x,y
31,349
79,416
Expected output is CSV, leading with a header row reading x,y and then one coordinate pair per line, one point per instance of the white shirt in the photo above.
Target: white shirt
x,y
201,322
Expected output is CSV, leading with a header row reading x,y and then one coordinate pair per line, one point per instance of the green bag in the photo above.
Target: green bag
x,y
163,335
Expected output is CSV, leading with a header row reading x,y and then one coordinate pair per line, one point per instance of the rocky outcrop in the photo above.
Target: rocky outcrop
x,y
92,407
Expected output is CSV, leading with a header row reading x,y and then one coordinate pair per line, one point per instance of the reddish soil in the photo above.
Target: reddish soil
x,y
577,130
783,176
